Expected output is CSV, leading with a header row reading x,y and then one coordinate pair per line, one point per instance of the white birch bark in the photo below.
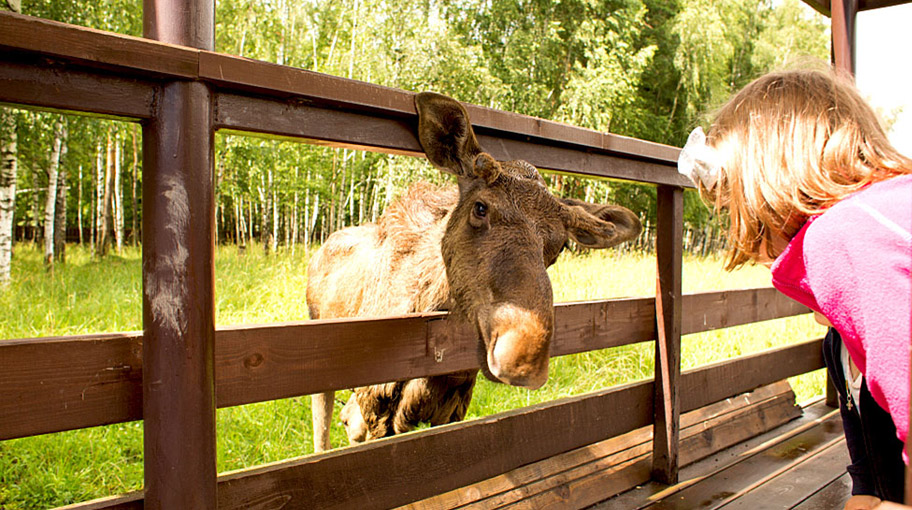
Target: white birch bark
x,y
117,205
60,213
9,163
51,202
98,227
79,205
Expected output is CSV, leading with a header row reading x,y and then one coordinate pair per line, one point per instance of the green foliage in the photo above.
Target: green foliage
x,y
121,16
641,68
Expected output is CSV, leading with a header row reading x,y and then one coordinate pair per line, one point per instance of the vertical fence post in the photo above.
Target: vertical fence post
x,y
842,22
669,254
178,273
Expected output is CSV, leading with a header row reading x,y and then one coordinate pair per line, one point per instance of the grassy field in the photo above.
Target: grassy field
x,y
88,296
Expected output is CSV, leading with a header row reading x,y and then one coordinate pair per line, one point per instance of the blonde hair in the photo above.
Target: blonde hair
x,y
793,143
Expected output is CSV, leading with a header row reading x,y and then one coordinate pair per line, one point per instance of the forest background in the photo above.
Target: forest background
x,y
639,68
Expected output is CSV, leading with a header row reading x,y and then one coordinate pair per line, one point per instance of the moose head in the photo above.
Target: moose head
x,y
504,232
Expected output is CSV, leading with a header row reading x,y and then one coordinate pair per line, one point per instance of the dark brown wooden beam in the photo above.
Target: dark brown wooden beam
x,y
707,311
394,133
55,384
844,14
39,83
669,257
411,467
714,382
823,6
95,48
238,73
179,455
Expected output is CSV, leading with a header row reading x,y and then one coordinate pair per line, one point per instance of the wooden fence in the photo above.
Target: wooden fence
x,y
176,372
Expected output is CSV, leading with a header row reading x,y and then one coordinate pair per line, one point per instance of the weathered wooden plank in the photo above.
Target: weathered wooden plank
x,y
833,495
707,311
642,495
62,383
412,467
698,441
132,501
178,270
96,48
713,382
40,84
790,487
609,462
386,132
753,469
245,74
437,467
572,160
823,6
261,363
54,384
669,258
319,125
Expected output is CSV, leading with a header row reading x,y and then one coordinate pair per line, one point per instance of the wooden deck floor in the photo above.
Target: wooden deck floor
x,y
799,465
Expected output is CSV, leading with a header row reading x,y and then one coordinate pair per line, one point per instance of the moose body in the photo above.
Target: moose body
x,y
480,249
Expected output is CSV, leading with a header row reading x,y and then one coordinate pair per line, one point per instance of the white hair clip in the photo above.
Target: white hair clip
x,y
700,161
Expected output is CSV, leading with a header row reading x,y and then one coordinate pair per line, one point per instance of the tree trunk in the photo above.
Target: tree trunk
x,y
117,195
274,205
219,214
79,205
306,218
9,164
237,223
264,215
134,234
98,225
249,221
294,216
104,200
57,149
60,215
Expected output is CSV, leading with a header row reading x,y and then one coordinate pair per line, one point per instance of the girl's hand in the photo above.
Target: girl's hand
x,y
862,502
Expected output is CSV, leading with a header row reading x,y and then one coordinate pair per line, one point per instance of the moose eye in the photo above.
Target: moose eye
x,y
480,210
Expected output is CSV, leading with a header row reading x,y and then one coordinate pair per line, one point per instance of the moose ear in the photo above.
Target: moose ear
x,y
599,226
445,134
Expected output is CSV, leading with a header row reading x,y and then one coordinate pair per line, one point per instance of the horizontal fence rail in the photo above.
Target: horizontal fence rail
x,y
59,66
56,384
403,469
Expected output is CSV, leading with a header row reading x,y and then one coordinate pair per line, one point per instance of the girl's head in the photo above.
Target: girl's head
x,y
790,145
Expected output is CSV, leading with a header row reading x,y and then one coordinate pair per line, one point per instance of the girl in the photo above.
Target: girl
x,y
811,185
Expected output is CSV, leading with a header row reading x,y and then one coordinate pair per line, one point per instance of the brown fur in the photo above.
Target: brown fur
x,y
484,249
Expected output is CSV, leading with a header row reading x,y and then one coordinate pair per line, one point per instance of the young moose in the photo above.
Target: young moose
x,y
480,250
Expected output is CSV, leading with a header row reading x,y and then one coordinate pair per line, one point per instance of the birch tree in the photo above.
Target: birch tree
x,y
60,214
117,195
58,149
9,162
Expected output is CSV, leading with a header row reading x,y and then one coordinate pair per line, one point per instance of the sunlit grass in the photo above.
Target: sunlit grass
x,y
89,296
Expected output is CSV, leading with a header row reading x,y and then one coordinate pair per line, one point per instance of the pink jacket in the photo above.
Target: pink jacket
x,y
852,264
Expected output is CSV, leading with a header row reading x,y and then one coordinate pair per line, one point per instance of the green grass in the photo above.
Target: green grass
x,y
90,296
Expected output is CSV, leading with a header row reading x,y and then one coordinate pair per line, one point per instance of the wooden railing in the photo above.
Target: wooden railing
x,y
180,368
